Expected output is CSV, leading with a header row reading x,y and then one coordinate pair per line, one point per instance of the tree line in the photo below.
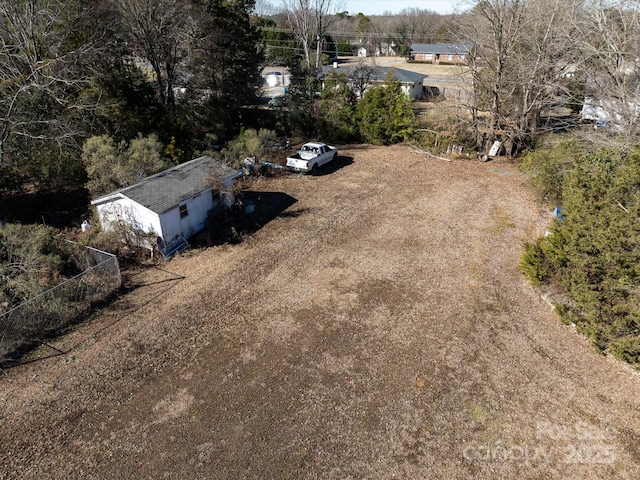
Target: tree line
x,y
541,55
77,68
533,56
174,77
186,71
532,64
591,253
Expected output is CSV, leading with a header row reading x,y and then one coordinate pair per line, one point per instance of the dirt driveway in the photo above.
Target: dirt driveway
x,y
377,328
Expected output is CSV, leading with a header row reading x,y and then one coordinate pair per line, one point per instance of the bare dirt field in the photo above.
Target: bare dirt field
x,y
428,69
378,327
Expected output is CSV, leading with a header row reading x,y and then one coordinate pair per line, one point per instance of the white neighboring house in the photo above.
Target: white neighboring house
x,y
170,204
411,83
612,113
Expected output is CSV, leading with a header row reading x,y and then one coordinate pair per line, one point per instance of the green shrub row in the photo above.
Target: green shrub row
x,y
594,252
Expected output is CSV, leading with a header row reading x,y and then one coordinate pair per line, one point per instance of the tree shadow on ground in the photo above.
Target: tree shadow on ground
x,y
133,295
333,166
252,211
53,209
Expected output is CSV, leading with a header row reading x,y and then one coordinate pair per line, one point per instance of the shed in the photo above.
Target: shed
x,y
171,204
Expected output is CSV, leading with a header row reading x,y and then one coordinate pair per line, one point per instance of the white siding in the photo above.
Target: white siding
x,y
413,91
198,207
168,225
121,209
171,227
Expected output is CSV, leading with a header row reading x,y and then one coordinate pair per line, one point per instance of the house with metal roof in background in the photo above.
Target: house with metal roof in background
x,y
441,53
170,205
412,83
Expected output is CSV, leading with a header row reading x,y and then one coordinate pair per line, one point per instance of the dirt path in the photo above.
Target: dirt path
x,y
378,328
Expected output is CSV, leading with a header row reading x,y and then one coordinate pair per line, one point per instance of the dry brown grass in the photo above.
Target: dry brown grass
x,y
424,68
380,328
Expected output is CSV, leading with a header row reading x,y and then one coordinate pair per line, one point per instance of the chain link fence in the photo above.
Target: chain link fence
x,y
33,321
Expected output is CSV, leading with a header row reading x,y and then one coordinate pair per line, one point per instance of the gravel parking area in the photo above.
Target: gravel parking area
x,y
378,327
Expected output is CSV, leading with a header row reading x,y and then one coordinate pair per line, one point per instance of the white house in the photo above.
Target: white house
x,y
615,114
170,204
412,83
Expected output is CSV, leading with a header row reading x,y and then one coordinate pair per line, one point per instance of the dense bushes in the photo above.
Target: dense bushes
x,y
249,143
336,106
594,252
549,162
111,166
30,263
384,114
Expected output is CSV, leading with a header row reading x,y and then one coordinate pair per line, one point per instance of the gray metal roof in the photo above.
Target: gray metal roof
x,y
402,76
441,48
165,190
380,75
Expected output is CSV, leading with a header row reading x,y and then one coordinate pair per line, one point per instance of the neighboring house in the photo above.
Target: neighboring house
x,y
613,114
446,53
364,50
386,49
170,204
180,84
276,76
412,83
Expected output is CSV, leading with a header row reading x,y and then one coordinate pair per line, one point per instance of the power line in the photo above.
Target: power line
x,y
344,35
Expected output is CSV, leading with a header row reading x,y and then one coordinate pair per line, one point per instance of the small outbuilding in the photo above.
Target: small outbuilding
x,y
171,204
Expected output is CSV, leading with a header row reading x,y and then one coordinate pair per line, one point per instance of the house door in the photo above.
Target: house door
x,y
437,58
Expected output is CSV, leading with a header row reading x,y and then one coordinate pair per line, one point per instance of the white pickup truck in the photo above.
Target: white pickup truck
x,y
311,156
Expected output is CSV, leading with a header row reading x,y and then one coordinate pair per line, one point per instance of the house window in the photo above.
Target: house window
x,y
461,56
183,211
449,57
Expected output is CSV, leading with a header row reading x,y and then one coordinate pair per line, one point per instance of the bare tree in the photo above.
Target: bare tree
x,y
612,50
40,63
502,21
420,25
544,61
160,32
360,76
299,15
309,20
524,52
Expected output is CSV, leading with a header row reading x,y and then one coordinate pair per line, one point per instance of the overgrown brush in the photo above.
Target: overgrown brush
x,y
593,251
